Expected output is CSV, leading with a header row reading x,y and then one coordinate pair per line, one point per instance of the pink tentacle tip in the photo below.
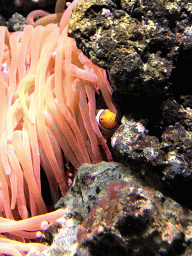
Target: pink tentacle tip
x,y
36,13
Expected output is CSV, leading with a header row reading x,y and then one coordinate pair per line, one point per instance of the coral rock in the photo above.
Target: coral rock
x,y
139,42
134,220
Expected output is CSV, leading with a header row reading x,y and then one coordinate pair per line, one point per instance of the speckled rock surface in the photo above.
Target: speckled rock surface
x,y
16,23
139,42
135,220
165,161
89,186
132,140
111,212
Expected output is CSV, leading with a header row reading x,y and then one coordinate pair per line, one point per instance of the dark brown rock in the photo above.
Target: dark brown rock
x,y
139,42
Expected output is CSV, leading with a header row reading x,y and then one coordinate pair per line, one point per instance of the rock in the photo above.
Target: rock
x,y
111,212
140,43
134,220
16,23
132,142
89,186
166,162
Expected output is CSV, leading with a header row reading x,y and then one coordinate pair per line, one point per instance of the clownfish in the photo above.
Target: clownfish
x,y
107,122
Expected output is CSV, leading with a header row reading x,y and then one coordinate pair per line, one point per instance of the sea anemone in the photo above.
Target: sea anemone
x,y
48,118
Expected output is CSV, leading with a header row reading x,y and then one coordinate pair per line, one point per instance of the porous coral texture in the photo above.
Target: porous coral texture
x,y
132,219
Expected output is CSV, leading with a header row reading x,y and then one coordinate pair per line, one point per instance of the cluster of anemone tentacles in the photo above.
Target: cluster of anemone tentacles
x,y
48,107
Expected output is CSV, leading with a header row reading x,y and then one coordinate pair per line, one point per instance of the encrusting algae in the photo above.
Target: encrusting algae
x,y
48,109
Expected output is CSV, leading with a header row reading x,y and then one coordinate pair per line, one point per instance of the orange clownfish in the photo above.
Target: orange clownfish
x,y
107,122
